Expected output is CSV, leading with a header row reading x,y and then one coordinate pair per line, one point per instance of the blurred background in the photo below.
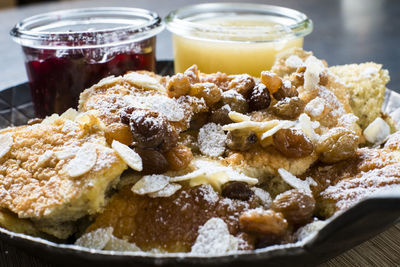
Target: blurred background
x,y
345,31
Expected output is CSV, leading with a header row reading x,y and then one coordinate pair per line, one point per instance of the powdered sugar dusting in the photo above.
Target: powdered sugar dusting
x,y
214,238
315,107
211,140
263,195
96,239
164,105
348,192
294,61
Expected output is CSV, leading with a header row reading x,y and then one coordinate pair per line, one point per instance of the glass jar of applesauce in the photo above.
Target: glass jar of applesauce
x,y
234,37
70,50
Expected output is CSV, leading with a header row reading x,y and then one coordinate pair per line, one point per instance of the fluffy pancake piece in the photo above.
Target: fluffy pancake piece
x,y
144,90
344,184
37,179
169,223
366,84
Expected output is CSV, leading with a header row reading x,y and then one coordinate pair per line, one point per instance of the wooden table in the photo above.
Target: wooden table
x,y
346,31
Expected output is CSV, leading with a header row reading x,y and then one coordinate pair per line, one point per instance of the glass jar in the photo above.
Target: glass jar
x,y
68,51
234,37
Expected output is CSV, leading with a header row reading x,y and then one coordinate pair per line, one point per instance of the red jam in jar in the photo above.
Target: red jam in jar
x,y
69,51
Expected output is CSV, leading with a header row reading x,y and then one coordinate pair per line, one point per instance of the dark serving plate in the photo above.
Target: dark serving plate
x,y
356,225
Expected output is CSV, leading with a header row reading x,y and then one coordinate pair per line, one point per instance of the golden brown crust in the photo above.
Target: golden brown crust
x,y
35,183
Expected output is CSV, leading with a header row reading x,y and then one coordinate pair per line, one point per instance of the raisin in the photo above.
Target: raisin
x,y
292,143
287,90
243,84
150,129
179,157
178,85
235,101
337,144
241,140
198,120
259,98
296,206
237,190
271,81
264,222
120,132
153,161
221,115
288,108
209,91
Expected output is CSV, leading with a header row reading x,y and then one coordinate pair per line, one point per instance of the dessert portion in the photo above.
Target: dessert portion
x,y
217,163
371,170
55,172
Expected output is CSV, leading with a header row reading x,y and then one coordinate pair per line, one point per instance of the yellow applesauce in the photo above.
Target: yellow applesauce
x,y
234,38
231,57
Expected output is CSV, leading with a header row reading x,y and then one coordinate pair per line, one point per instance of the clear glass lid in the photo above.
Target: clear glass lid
x,y
238,22
87,28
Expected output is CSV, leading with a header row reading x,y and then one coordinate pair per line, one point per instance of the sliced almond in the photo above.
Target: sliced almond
x,y
84,161
45,157
6,141
70,114
238,117
129,156
167,191
150,184
281,125
296,182
66,152
96,239
143,81
251,125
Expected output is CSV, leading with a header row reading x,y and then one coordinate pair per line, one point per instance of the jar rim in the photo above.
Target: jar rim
x,y
36,31
183,22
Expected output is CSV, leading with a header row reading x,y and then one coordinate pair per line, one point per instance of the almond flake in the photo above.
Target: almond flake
x,y
215,174
70,114
238,117
251,125
214,238
66,152
84,161
45,157
96,239
6,141
306,125
377,131
150,184
263,195
167,191
108,81
129,156
143,81
281,125
296,182
311,75
50,119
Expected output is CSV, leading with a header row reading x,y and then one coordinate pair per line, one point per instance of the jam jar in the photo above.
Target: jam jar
x,y
68,51
234,37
